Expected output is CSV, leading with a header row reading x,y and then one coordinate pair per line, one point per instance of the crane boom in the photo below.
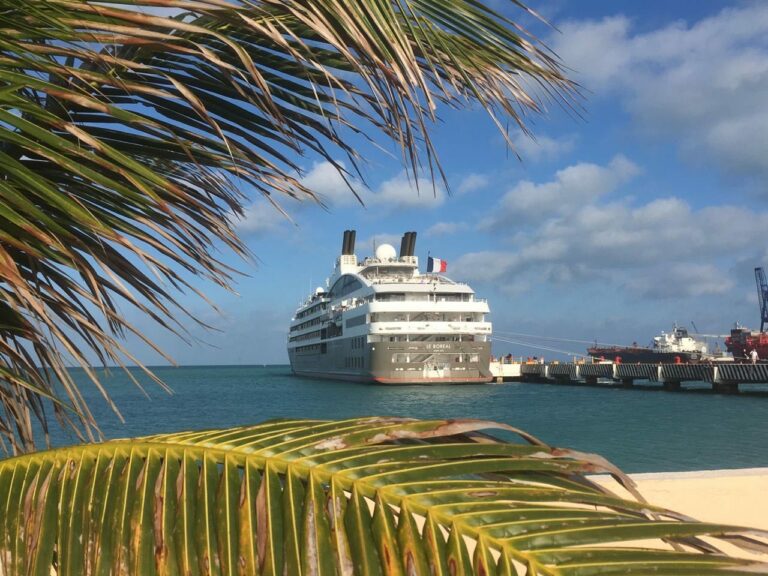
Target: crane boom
x,y
762,296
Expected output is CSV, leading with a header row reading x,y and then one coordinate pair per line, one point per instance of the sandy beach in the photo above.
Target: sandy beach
x,y
737,497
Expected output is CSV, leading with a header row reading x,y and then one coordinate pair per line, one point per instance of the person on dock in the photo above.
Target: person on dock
x,y
753,356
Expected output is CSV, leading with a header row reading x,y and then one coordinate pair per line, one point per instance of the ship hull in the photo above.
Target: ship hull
x,y
638,355
397,363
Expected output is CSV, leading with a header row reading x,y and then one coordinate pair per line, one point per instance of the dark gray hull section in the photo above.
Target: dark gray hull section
x,y
396,363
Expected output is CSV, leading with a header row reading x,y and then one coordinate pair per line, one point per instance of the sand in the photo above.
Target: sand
x,y
738,497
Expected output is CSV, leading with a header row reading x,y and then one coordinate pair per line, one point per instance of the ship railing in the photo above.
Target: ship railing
x,y
424,279
403,260
426,297
432,327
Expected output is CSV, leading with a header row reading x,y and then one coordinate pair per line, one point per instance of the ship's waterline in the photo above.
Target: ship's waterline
x,y
381,320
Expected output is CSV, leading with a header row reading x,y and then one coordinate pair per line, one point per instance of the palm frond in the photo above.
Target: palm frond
x,y
363,496
126,136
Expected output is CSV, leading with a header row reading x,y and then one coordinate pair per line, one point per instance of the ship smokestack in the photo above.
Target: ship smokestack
x,y
348,245
412,244
344,242
404,245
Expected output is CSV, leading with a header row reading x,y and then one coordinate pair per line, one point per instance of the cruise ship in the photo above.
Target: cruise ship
x,y
381,320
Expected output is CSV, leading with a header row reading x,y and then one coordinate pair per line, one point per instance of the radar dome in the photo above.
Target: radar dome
x,y
386,252
319,290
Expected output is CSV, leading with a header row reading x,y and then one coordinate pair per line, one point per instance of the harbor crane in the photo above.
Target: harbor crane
x,y
762,296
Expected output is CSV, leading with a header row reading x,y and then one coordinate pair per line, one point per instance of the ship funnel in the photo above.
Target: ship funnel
x,y
411,244
345,243
404,244
352,234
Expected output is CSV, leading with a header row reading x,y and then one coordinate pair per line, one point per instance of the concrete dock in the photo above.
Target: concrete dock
x,y
725,377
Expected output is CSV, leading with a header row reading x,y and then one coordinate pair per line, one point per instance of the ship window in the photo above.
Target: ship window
x,y
390,297
345,285
356,321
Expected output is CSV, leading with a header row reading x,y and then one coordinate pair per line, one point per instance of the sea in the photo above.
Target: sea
x,y
644,429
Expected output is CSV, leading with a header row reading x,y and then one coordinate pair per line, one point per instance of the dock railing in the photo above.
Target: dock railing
x,y
724,377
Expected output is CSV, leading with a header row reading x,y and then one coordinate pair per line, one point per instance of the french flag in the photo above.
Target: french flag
x,y
436,265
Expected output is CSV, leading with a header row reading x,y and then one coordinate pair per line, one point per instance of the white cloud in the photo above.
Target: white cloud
x,y
398,192
472,183
571,188
566,231
446,228
325,180
542,147
684,280
260,217
403,192
486,266
589,48
704,84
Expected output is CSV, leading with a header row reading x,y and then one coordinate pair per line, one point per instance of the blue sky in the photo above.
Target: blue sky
x,y
650,209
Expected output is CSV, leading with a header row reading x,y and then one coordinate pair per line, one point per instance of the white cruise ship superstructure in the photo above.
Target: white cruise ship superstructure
x,y
381,320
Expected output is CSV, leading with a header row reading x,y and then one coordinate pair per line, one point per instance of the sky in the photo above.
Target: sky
x,y
649,208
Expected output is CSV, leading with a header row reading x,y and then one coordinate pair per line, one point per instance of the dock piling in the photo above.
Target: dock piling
x,y
725,387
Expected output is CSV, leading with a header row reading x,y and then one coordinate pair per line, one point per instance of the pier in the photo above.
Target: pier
x,y
725,377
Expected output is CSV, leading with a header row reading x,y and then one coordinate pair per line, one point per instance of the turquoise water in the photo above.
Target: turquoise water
x,y
640,430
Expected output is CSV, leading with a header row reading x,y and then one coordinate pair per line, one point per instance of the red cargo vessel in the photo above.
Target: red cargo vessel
x,y
742,340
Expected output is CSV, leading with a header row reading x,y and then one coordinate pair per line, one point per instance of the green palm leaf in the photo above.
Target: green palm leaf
x,y
369,496
127,135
